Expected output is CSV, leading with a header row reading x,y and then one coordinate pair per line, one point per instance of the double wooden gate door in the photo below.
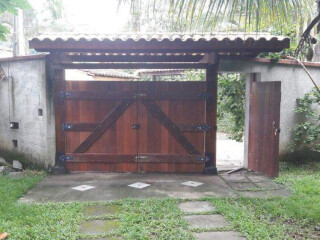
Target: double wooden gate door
x,y
135,126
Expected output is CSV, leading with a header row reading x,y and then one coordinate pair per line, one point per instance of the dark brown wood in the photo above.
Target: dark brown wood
x,y
103,126
184,127
174,130
133,158
57,77
133,167
211,117
120,143
109,95
135,58
132,66
264,118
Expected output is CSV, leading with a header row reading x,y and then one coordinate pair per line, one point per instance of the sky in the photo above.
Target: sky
x,y
100,16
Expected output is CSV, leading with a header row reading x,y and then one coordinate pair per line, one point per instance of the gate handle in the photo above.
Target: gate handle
x,y
276,130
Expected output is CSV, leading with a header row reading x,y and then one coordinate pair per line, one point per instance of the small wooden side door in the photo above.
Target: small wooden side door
x,y
264,118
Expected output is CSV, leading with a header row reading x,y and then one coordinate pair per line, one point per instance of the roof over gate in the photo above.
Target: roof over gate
x,y
242,43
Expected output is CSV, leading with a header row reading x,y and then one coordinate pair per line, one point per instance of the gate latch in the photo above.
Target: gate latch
x,y
135,126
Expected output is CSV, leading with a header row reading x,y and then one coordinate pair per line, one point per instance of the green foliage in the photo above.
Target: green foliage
x,y
231,104
307,131
293,217
10,6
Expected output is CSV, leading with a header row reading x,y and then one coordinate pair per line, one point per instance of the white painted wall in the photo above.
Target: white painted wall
x,y
294,84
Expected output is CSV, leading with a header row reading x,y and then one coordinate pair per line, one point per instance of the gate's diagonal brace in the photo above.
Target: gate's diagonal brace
x,y
106,123
173,129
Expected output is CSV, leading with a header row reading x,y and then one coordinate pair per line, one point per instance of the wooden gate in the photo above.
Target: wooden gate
x,y
264,128
135,126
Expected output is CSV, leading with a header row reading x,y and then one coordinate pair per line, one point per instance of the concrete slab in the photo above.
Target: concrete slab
x,y
110,186
196,207
269,185
206,221
235,178
100,211
99,226
259,178
219,236
242,186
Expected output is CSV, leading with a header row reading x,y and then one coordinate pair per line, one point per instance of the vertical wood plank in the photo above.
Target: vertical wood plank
x,y
211,119
59,85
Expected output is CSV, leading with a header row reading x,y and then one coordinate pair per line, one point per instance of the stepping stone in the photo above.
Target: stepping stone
x,y
99,226
259,178
196,207
219,236
206,221
268,185
100,211
242,186
235,178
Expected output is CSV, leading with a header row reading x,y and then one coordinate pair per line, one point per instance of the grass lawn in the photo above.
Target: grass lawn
x,y
295,217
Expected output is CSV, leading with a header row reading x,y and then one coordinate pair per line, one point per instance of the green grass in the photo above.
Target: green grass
x,y
294,217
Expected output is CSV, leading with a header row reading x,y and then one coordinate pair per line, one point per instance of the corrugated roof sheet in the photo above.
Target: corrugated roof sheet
x,y
220,36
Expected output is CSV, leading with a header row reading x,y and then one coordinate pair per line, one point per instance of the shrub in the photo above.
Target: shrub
x,y
307,131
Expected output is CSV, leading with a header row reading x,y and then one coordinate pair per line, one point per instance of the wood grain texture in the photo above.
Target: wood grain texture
x,y
264,118
117,147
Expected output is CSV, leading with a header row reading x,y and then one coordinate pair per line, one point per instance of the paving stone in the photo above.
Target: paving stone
x,y
259,178
269,185
219,236
243,186
100,211
235,178
206,221
196,207
99,226
16,165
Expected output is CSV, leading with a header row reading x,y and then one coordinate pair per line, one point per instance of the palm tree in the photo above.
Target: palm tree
x,y
243,15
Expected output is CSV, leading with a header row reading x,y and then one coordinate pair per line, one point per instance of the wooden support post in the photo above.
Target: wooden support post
x,y
57,76
211,119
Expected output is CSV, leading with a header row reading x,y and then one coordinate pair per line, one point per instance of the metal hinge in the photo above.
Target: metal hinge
x,y
204,159
203,127
67,126
64,94
205,95
64,158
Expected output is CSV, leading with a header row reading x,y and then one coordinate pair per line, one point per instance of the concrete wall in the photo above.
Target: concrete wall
x,y
22,94
294,84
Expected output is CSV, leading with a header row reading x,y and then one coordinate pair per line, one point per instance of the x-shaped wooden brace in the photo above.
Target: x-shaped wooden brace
x,y
153,108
